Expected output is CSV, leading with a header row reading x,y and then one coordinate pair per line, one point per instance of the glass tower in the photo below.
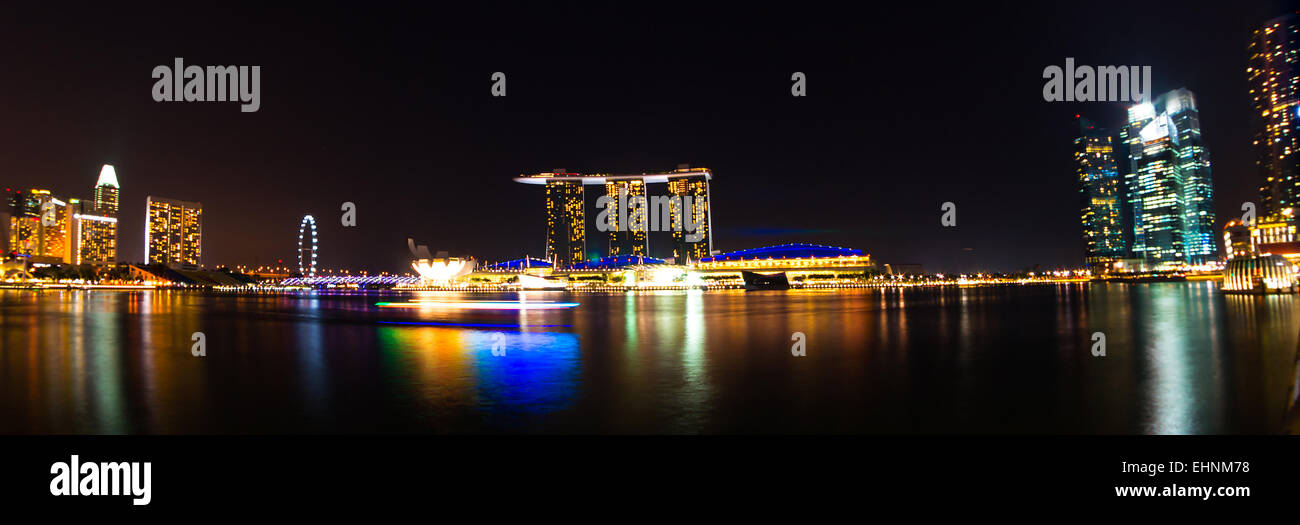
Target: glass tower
x,y
1168,183
1101,194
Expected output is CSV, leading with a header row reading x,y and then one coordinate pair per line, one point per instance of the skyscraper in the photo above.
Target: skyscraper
x,y
566,239
691,227
628,239
693,183
93,232
92,238
1101,192
106,192
38,226
1273,74
1168,184
173,232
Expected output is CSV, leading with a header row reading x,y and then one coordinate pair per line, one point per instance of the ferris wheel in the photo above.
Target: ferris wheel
x,y
306,254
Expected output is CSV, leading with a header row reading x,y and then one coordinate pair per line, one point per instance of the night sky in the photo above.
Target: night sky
x,y
390,108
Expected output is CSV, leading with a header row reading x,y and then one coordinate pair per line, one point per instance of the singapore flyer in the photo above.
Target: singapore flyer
x,y
306,253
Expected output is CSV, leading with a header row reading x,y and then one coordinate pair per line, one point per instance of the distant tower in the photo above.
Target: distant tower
x,y
1101,192
1273,75
94,224
106,192
173,232
31,236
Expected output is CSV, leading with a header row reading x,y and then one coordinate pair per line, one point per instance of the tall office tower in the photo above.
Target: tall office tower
x,y
1273,74
92,238
173,232
1201,236
1168,182
694,183
628,239
106,192
1101,193
92,235
566,240
38,226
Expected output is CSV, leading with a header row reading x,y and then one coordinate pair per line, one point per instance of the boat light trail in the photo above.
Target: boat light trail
x,y
480,305
478,325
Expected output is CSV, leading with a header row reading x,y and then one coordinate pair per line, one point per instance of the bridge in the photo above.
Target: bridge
x,y
351,280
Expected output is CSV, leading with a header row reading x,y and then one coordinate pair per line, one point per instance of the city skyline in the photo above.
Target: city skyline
x,y
833,139
1148,191
956,237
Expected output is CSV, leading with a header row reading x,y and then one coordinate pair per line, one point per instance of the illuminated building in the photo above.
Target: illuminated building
x,y
1167,183
807,263
92,230
1101,192
1236,240
1273,74
92,239
693,183
173,233
516,265
105,199
566,238
43,241
628,239
565,229
1263,274
442,271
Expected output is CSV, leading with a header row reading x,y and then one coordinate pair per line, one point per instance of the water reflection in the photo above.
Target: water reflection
x,y
1181,358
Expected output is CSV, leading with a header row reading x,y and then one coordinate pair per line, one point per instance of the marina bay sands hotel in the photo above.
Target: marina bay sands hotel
x,y
566,219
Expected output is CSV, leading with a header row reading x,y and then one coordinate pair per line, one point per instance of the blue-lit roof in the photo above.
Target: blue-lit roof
x,y
784,251
518,264
616,261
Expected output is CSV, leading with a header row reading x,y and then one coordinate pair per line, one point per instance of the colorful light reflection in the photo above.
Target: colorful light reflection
x,y
481,305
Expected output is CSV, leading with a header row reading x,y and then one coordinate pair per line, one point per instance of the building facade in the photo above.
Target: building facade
x,y
93,237
631,238
693,184
685,211
93,230
38,226
1273,65
173,232
1101,193
1168,183
566,237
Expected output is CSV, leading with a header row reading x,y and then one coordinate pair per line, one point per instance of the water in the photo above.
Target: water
x,y
1181,358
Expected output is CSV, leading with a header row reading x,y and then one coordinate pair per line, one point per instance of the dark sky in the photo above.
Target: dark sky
x,y
390,108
